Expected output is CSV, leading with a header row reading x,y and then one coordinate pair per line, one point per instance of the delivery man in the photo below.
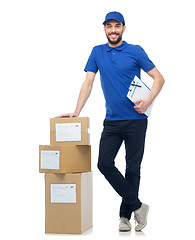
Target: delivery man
x,y
118,62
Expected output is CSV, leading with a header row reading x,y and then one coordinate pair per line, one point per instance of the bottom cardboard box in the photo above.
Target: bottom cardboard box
x,y
68,202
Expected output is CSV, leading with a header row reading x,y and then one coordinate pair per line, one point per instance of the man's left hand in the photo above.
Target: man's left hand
x,y
141,105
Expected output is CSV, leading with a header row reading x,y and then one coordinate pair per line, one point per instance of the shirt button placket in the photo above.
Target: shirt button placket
x,y
113,55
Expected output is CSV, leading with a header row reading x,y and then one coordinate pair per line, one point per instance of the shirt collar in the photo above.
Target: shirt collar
x,y
118,48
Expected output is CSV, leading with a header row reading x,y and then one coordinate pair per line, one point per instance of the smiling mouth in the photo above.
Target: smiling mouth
x,y
113,35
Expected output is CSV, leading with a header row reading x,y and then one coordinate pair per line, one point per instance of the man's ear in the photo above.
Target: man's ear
x,y
124,28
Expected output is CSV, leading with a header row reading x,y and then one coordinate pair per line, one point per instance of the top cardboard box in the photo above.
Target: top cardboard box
x,y
69,131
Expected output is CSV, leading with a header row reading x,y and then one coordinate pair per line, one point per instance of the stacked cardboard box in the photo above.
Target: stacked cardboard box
x,y
66,163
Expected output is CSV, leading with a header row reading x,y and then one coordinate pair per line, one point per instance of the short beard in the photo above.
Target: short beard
x,y
116,41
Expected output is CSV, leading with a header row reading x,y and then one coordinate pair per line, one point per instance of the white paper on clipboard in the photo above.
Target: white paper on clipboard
x,y
139,90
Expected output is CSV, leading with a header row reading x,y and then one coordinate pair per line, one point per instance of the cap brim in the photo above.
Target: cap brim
x,y
111,19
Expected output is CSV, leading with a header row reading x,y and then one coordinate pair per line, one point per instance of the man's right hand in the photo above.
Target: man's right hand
x,y
67,115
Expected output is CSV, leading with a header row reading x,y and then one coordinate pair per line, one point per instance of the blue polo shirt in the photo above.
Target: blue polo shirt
x,y
117,67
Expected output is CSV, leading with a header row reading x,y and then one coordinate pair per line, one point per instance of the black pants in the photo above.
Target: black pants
x,y
133,133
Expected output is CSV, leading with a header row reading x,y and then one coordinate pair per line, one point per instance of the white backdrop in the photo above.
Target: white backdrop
x,y
44,46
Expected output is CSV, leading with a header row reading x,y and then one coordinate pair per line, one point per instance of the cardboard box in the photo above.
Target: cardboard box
x,y
69,131
68,202
64,159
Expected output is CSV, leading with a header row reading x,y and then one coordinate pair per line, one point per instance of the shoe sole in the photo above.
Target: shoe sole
x,y
138,230
124,230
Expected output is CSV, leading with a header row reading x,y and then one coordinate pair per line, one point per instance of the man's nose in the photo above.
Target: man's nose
x,y
113,29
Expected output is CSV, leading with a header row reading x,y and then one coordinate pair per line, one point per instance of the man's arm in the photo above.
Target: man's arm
x,y
142,105
83,95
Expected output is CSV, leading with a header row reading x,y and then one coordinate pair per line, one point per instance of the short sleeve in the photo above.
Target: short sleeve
x,y
91,63
143,60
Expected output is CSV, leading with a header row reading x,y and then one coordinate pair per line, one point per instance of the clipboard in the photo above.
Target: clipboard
x,y
139,90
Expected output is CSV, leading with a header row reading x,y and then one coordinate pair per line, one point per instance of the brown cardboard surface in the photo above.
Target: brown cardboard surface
x,y
69,218
85,137
71,159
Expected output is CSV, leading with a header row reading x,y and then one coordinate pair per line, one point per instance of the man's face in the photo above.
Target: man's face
x,y
114,31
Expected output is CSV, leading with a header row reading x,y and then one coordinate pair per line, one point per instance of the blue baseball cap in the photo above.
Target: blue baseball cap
x,y
114,16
